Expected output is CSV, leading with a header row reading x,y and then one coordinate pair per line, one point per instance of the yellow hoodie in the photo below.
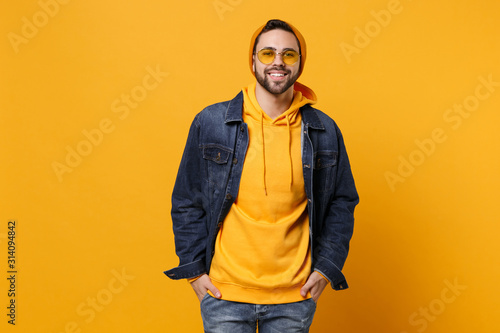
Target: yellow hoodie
x,y
262,252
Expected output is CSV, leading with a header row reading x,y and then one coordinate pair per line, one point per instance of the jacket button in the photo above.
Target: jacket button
x,y
219,224
235,161
229,196
306,166
242,129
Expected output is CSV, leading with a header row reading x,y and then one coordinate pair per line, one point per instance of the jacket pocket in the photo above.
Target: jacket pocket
x,y
217,157
216,153
324,170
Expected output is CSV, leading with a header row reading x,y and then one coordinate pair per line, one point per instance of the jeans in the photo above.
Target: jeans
x,y
220,316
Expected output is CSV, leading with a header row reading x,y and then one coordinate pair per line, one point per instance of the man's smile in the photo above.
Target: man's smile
x,y
277,75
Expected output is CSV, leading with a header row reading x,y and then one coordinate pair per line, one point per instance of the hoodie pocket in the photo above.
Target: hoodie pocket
x,y
325,163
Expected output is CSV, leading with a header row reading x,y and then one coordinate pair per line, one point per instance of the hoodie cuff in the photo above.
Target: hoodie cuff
x,y
321,274
191,280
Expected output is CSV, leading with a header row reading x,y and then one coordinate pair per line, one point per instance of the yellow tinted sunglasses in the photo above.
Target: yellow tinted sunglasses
x,y
266,56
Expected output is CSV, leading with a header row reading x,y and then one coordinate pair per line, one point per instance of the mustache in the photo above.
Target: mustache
x,y
282,69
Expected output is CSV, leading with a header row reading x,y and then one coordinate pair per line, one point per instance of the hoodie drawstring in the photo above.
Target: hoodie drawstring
x,y
289,150
263,151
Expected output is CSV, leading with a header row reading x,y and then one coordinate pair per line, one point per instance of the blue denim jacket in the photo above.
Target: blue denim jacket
x,y
208,180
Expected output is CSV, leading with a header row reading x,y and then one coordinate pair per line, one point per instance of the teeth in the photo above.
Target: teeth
x,y
277,74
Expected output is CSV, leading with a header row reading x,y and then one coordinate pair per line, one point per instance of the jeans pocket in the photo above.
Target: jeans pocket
x,y
205,297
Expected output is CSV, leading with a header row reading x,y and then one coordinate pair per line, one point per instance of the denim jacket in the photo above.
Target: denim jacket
x,y
208,180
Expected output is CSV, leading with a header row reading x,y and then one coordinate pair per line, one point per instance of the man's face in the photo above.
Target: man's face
x,y
276,77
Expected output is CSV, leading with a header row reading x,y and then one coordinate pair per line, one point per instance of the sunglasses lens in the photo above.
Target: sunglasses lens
x,y
266,56
290,57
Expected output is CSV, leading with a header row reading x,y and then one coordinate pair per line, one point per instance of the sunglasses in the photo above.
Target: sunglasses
x,y
267,56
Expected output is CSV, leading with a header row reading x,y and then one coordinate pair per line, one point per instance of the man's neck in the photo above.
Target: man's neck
x,y
273,105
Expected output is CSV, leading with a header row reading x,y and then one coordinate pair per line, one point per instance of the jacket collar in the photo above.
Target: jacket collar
x,y
235,109
310,117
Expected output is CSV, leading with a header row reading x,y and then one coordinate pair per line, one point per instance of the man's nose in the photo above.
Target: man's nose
x,y
278,59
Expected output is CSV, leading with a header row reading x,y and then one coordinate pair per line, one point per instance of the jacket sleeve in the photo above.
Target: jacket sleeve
x,y
188,213
332,246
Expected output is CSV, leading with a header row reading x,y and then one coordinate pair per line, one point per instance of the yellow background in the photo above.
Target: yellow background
x,y
110,215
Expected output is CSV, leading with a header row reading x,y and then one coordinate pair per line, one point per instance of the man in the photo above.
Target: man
x,y
263,204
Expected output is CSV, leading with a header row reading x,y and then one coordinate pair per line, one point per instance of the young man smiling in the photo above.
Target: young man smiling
x,y
263,204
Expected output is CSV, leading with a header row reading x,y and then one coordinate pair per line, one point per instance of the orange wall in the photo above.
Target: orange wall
x,y
96,99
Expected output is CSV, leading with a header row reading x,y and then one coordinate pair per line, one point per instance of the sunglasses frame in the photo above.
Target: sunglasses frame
x,y
276,53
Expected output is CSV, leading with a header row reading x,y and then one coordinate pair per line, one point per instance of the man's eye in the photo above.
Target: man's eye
x,y
289,54
267,53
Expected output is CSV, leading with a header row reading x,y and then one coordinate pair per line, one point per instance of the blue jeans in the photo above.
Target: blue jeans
x,y
220,316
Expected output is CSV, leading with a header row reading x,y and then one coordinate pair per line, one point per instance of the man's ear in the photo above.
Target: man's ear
x,y
253,63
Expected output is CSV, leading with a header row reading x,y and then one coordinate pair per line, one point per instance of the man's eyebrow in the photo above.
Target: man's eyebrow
x,y
268,48
274,49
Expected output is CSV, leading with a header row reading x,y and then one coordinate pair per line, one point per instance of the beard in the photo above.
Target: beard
x,y
276,88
